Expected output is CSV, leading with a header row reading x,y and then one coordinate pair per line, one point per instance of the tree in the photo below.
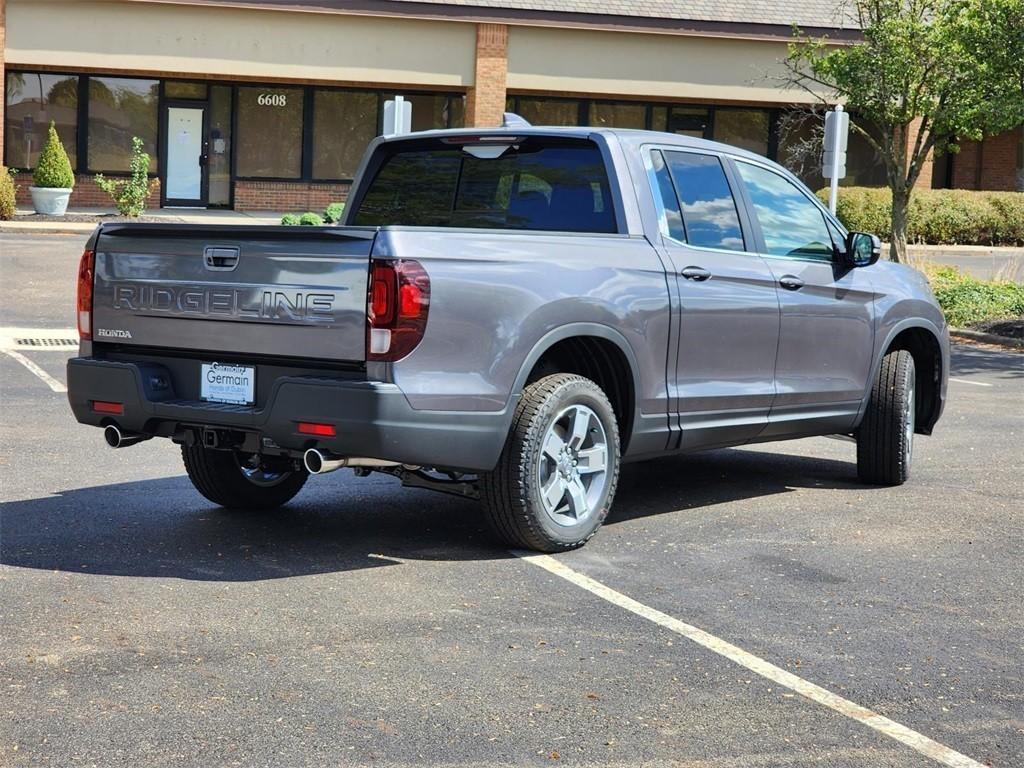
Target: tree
x,y
927,74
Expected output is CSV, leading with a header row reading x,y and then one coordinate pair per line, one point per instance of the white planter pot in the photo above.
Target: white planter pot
x,y
50,200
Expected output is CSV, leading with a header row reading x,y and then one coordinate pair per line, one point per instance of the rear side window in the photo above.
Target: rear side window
x,y
790,223
544,186
709,210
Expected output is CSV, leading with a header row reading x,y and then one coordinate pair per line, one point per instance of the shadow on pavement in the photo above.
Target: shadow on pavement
x,y
163,528
967,359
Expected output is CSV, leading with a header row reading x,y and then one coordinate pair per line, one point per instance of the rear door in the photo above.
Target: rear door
x,y
729,318
291,292
827,331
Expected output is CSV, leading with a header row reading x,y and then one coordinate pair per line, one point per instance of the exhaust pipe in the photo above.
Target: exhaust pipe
x,y
321,462
117,439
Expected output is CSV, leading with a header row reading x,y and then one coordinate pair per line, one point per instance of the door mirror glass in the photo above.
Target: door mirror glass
x,y
862,249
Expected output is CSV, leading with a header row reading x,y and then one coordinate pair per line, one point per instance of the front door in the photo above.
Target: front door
x,y
185,180
827,330
729,310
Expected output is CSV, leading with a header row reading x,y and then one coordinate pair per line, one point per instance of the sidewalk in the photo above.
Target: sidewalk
x,y
24,223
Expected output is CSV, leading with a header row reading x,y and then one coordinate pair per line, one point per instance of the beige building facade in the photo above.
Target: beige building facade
x,y
269,105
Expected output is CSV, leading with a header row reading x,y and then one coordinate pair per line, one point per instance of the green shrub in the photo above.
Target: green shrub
x,y
129,195
333,213
937,216
310,219
53,168
967,301
290,220
7,190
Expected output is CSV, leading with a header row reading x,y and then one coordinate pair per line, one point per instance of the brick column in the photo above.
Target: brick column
x,y
485,101
924,180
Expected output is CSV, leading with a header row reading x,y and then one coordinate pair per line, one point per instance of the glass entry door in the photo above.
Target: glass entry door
x,y
185,165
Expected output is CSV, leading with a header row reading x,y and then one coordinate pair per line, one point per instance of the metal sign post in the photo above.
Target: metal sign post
x,y
833,161
397,116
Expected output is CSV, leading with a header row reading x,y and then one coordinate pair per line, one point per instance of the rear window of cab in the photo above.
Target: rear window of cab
x,y
556,185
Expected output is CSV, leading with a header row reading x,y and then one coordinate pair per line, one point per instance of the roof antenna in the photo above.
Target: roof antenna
x,y
512,120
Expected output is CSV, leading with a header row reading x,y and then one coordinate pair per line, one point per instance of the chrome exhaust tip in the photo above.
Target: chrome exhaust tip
x,y
115,438
320,462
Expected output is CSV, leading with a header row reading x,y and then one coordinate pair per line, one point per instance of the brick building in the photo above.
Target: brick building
x,y
269,105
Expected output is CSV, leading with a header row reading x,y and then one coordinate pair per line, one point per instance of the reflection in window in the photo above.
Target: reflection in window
x,y
800,145
33,101
269,133
689,121
344,122
620,115
549,111
219,146
791,224
743,128
709,211
119,109
671,220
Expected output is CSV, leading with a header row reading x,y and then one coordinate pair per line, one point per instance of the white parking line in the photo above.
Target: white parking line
x,y
968,381
51,382
913,739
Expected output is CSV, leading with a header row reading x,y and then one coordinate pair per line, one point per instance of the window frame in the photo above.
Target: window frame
x,y
83,135
746,226
80,130
825,213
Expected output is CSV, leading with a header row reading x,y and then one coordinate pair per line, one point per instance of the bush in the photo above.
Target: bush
x,y
53,168
7,190
334,212
967,301
937,216
290,220
129,195
310,219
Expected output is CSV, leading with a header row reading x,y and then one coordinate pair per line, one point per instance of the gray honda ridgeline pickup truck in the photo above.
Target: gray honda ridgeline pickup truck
x,y
508,315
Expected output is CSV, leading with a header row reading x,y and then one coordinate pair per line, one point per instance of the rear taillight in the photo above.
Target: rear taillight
x,y
86,270
396,308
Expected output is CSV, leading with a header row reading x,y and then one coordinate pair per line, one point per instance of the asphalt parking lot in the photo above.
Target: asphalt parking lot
x,y
368,624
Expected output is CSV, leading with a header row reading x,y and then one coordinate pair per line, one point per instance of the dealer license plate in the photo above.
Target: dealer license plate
x,y
222,383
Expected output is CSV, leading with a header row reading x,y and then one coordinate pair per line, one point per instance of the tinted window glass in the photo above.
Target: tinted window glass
x,y
665,197
709,211
549,111
744,128
791,224
620,115
269,132
33,101
562,187
344,122
119,109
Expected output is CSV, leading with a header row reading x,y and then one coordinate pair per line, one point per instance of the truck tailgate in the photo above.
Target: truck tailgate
x,y
274,291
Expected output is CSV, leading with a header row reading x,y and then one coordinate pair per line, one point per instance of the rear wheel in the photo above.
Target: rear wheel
x,y
557,474
885,438
240,481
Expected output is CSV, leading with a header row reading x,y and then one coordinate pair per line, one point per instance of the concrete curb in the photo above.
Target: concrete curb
x,y
988,338
82,228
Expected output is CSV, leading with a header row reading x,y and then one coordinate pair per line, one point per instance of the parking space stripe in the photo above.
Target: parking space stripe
x,y
968,381
916,741
51,382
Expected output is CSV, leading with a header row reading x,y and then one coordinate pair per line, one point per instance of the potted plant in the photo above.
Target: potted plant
x,y
53,179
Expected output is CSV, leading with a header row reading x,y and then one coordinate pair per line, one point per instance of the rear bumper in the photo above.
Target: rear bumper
x,y
373,419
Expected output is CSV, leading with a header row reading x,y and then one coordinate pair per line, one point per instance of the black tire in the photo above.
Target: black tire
x,y
219,476
885,438
511,494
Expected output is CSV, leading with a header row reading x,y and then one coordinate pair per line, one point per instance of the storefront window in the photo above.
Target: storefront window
x,y
621,115
549,111
33,101
800,147
269,133
119,109
219,145
344,122
456,111
744,128
174,89
689,121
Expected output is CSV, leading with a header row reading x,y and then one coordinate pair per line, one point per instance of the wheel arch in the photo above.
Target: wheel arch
x,y
922,340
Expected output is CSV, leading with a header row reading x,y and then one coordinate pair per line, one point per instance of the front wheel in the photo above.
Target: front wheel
x,y
885,438
240,481
556,477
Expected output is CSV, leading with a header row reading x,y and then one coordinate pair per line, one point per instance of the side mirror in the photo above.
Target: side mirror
x,y
862,249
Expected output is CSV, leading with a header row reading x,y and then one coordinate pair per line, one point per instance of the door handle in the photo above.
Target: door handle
x,y
698,274
791,282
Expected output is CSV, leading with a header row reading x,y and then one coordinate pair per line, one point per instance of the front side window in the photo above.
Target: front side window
x,y
121,108
791,224
34,100
269,140
709,210
548,186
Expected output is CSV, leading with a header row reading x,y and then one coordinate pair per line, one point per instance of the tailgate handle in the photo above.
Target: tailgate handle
x,y
220,259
